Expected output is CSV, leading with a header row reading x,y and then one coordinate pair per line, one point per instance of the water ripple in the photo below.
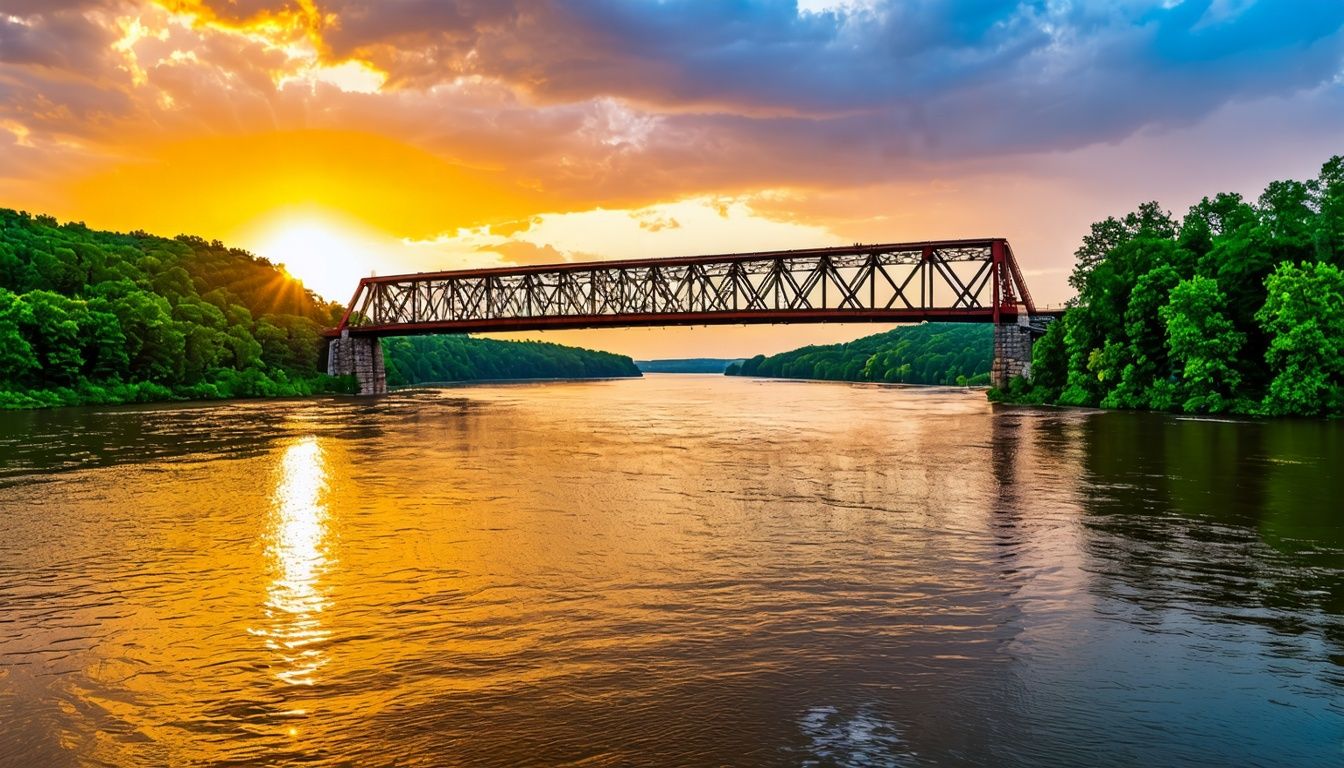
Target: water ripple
x,y
673,571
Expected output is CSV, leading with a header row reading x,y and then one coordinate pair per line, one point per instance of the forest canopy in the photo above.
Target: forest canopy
x,y
103,317
931,353
1238,307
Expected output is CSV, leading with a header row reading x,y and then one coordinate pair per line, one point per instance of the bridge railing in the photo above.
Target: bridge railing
x,y
953,280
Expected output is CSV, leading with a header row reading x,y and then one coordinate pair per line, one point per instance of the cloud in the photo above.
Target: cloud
x,y
967,75
570,104
656,223
60,40
524,253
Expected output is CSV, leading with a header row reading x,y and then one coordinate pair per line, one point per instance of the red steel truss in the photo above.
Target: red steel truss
x,y
949,280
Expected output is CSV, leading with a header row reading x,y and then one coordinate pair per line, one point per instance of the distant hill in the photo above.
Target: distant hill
x,y
418,359
931,353
88,316
688,365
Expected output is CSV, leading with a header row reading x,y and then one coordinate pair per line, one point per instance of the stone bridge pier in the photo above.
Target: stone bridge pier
x,y
1012,351
361,357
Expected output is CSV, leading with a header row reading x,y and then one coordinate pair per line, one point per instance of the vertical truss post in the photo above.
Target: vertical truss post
x,y
824,264
996,268
925,277
872,280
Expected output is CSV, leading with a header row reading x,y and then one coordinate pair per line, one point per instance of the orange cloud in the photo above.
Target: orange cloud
x,y
523,252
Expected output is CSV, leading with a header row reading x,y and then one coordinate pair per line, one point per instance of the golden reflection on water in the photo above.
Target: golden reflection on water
x,y
295,536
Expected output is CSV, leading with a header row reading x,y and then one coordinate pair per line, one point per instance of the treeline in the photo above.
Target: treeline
x,y
688,365
1236,308
931,353
104,317
424,359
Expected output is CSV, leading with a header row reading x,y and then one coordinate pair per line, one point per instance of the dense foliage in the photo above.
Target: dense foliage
x,y
931,353
1239,308
424,359
105,317
98,317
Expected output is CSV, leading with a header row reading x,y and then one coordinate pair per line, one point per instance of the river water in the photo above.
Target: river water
x,y
673,571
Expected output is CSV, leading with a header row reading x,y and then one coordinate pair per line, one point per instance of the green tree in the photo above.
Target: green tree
x,y
18,361
1143,378
54,334
1328,189
104,344
1202,342
1304,318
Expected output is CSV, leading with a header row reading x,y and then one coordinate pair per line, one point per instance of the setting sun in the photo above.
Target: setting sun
x,y
327,254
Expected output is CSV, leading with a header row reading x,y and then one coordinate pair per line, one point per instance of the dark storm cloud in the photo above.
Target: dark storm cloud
x,y
966,75
56,39
23,8
627,100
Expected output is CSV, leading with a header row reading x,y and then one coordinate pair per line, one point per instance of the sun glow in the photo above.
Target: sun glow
x,y
329,255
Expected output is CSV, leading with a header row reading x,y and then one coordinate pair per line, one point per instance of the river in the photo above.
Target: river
x,y
673,571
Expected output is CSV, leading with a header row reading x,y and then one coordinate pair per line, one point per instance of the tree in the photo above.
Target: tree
x,y
18,361
1082,337
1304,319
104,344
1202,342
1143,379
53,333
1328,189
1049,362
154,343
1104,237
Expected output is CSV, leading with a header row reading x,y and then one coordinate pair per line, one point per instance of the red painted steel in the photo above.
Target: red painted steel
x,y
958,280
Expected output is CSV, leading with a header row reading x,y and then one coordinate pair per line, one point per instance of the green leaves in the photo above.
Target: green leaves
x,y
1304,316
1201,342
1239,309
18,361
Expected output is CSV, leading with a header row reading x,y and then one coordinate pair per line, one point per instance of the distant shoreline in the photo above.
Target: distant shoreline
x,y
878,384
883,384
471,382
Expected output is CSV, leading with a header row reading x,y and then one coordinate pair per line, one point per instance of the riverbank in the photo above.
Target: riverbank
x,y
246,386
1022,392
148,393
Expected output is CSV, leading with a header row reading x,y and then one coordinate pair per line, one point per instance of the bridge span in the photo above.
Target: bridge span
x,y
946,280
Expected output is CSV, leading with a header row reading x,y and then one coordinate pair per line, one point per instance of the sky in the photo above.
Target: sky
x,y
349,137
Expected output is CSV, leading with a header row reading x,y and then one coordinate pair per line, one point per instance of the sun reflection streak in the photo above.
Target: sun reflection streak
x,y
295,545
